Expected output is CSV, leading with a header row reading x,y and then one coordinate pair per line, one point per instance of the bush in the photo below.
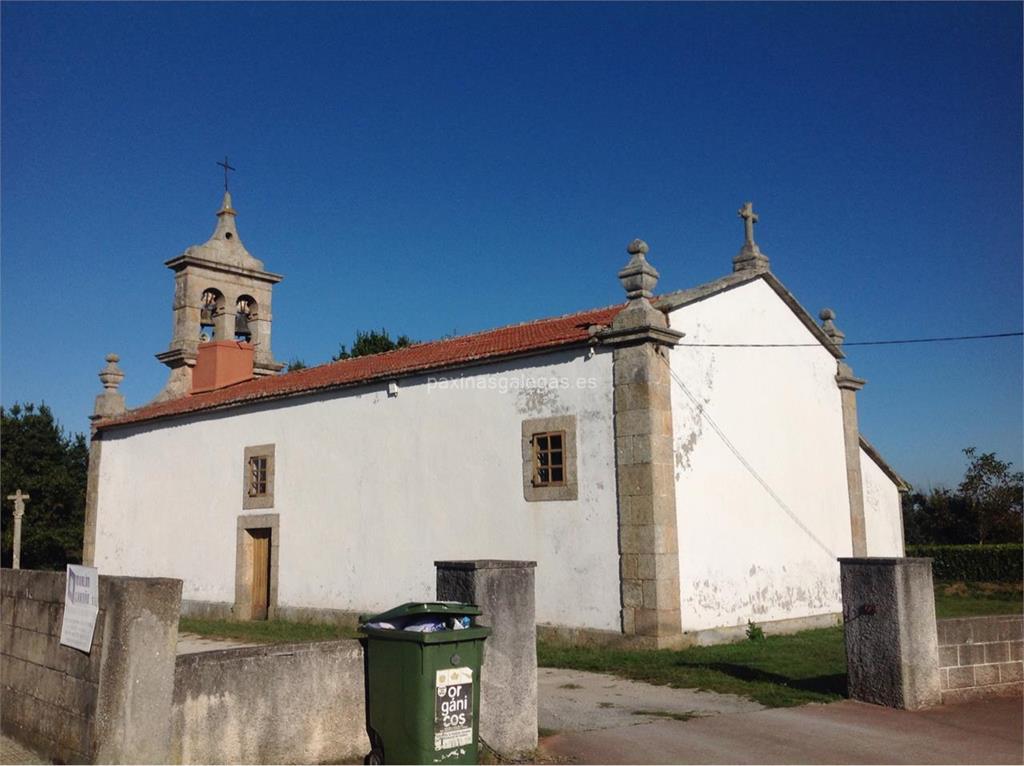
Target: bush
x,y
973,563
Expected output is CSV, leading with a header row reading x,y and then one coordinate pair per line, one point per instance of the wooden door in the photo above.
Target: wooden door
x,y
260,573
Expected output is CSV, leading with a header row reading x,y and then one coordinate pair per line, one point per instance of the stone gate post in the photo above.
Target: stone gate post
x,y
504,591
892,648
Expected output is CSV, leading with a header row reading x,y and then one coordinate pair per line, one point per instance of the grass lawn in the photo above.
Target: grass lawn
x,y
778,671
264,631
962,599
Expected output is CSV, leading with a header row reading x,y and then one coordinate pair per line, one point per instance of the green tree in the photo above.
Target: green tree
x,y
371,342
984,508
295,364
39,458
993,494
940,517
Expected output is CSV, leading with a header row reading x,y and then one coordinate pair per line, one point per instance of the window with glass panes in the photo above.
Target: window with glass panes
x,y
549,459
258,476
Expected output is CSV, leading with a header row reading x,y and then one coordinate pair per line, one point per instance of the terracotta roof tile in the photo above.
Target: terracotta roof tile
x,y
436,355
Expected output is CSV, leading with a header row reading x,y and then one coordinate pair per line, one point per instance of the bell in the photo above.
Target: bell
x,y
242,325
206,315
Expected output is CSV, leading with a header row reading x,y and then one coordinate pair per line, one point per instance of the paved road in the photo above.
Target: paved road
x,y
574,700
985,731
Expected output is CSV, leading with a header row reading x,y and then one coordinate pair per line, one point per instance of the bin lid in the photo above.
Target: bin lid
x,y
435,637
415,608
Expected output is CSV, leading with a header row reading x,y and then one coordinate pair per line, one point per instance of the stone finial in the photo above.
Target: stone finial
x,y
639,321
828,325
639,278
111,375
750,257
111,401
226,228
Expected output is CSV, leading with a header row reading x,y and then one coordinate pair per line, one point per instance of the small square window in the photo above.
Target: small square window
x,y
549,459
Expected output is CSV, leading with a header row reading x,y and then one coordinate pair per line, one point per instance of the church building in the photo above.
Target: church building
x,y
677,465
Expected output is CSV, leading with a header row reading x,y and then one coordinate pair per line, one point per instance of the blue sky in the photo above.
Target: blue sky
x,y
453,167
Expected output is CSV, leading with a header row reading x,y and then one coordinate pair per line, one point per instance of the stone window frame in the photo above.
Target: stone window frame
x,y
266,500
569,490
242,609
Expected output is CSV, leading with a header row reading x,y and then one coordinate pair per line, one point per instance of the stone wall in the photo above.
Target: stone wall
x,y
285,703
107,706
980,656
322,490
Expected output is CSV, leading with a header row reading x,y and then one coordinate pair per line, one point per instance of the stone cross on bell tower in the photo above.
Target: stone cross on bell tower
x,y
227,166
221,292
750,257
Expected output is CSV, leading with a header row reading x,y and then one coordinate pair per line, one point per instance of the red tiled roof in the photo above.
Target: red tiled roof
x,y
492,344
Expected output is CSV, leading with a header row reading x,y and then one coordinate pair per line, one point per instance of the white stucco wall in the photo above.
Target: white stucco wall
x,y
883,519
742,555
371,490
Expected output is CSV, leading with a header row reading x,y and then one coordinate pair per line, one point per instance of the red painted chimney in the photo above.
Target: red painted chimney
x,y
221,363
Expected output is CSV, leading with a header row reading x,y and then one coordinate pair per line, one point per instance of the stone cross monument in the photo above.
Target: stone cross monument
x,y
19,499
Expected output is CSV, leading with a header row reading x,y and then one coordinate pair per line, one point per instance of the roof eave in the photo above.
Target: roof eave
x,y
126,420
869,449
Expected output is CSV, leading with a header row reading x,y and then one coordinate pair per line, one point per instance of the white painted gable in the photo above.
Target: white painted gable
x,y
762,503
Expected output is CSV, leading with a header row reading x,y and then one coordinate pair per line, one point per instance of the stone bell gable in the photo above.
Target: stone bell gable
x,y
221,293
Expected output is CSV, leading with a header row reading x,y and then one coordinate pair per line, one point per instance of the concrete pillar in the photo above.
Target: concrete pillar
x,y
136,682
504,591
892,648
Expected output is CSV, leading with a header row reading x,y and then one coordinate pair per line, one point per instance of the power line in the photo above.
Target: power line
x,y
857,343
732,448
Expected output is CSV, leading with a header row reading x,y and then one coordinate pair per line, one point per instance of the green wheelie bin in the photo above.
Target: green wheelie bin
x,y
423,686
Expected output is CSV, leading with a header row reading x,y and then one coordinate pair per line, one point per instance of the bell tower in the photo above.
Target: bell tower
x,y
221,292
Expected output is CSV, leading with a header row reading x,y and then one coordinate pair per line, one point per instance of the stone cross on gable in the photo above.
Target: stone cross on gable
x,y
749,219
750,257
19,499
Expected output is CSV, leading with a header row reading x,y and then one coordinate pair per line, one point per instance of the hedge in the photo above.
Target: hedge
x,y
973,563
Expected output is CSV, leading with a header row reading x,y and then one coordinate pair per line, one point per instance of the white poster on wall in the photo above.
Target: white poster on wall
x,y
81,605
